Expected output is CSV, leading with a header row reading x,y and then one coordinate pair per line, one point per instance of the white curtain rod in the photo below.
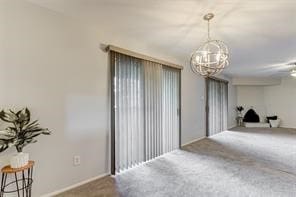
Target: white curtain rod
x,y
141,56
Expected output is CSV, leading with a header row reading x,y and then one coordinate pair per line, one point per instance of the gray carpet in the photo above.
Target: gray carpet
x,y
241,162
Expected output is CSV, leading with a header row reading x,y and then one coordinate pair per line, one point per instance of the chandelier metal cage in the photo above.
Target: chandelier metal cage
x,y
210,58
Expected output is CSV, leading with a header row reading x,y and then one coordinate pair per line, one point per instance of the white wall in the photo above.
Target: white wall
x,y
193,106
232,103
194,95
255,81
252,96
271,100
280,100
54,66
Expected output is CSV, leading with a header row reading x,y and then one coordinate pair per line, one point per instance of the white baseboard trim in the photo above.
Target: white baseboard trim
x,y
75,185
231,127
193,141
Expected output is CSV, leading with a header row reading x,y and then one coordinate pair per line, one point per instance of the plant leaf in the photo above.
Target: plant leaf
x,y
23,132
8,116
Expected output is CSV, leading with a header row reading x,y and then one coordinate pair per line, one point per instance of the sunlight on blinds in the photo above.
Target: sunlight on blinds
x,y
146,110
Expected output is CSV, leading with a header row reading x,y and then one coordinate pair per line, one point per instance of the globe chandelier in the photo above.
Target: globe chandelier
x,y
211,57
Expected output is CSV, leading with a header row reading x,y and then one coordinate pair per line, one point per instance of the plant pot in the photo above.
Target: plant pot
x,y
19,160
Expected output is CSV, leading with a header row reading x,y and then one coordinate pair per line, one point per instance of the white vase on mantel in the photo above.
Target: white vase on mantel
x,y
19,160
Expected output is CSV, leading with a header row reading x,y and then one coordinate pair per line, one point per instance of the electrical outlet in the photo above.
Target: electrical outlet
x,y
76,160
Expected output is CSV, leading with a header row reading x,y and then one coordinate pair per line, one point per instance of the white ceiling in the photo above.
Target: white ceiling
x,y
261,34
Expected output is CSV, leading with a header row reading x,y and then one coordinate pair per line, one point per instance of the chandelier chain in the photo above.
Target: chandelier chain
x,y
209,38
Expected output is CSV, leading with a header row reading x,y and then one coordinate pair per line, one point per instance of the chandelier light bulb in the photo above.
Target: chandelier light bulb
x,y
218,56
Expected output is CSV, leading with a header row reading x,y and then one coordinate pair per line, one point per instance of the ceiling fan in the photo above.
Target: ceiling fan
x,y
292,70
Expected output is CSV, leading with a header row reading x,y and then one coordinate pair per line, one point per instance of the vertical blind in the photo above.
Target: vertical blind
x,y
217,103
146,105
171,110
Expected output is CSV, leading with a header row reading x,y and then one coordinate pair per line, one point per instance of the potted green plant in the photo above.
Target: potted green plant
x,y
21,132
240,109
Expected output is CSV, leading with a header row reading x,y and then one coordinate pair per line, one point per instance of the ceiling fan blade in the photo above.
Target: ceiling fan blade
x,y
284,71
292,64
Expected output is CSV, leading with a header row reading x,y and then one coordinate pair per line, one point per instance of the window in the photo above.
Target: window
x,y
217,105
145,110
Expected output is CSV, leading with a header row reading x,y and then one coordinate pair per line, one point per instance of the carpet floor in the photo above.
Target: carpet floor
x,y
240,162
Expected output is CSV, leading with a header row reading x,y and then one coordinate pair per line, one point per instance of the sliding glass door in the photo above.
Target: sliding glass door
x,y
145,110
217,105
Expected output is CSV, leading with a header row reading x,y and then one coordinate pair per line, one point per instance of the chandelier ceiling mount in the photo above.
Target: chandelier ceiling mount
x,y
208,16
